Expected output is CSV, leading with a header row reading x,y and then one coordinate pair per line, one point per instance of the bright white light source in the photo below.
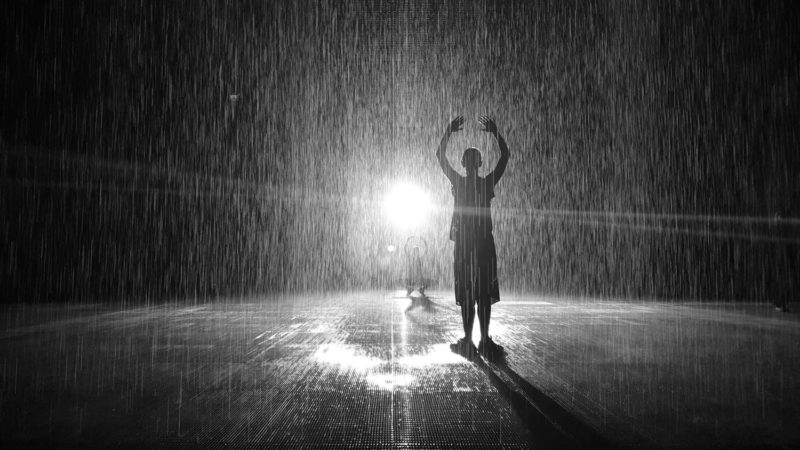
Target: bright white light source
x,y
391,248
407,206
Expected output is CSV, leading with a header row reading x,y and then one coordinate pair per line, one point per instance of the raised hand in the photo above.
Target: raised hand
x,y
488,125
456,124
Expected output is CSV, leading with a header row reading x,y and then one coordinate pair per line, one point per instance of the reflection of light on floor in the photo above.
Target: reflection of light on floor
x,y
345,356
390,380
496,329
439,354
375,369
321,328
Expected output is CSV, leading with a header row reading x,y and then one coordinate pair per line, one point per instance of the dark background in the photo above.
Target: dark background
x,y
130,172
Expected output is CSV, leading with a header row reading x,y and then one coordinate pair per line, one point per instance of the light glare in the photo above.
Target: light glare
x,y
407,206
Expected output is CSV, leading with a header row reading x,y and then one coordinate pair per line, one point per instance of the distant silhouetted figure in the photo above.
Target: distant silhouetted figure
x,y
475,257
415,278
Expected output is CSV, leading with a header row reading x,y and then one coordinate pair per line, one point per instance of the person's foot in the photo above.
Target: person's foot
x,y
464,348
487,347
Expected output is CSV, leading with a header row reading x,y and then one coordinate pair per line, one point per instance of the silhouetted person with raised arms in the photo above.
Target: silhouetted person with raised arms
x,y
475,257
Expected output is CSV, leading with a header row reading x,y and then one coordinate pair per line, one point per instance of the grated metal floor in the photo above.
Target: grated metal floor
x,y
374,370
352,371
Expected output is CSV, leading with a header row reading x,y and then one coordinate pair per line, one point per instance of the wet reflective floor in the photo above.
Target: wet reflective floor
x,y
374,369
351,370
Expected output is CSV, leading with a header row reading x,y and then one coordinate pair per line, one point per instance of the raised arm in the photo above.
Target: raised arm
x,y
490,127
441,152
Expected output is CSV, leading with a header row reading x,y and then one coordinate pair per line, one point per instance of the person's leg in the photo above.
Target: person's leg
x,y
483,280
484,308
466,300
484,317
464,346
468,318
488,291
462,265
487,346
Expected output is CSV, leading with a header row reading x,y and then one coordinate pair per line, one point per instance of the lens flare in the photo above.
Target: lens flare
x,y
407,206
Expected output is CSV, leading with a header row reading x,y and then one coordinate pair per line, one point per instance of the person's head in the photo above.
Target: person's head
x,y
471,159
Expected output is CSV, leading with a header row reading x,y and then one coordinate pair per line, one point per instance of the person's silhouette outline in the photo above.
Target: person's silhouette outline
x,y
475,256
415,278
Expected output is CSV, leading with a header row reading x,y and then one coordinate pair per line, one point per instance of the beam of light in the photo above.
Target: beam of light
x,y
685,224
407,206
128,176
702,218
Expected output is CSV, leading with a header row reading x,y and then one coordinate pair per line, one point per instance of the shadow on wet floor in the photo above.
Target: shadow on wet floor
x,y
421,303
550,425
